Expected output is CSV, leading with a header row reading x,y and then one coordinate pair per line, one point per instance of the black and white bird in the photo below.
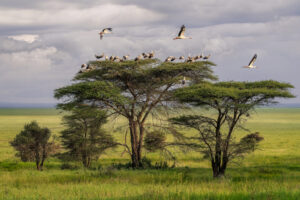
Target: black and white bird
x,y
250,65
151,54
181,34
206,57
105,31
125,57
181,57
139,57
99,56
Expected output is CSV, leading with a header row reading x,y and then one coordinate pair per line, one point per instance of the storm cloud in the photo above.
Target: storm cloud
x,y
43,43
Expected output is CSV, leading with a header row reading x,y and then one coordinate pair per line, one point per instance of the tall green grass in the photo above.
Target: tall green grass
x,y
272,172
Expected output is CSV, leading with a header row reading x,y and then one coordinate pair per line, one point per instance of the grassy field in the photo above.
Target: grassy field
x,y
273,172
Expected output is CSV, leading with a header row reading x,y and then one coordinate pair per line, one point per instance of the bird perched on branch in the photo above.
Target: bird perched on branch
x,y
125,57
151,54
206,57
250,65
181,34
105,31
99,56
181,57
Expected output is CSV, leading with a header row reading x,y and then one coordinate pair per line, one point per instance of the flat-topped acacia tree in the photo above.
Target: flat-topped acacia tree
x,y
132,89
230,102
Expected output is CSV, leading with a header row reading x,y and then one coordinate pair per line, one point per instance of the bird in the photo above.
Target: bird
x,y
139,57
99,56
168,59
145,55
206,57
197,57
190,59
116,58
83,66
172,58
105,31
106,58
181,34
125,57
181,57
183,81
251,66
151,54
111,58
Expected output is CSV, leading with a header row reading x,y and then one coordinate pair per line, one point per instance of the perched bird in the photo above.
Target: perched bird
x,y
206,57
99,56
168,59
251,66
111,58
197,57
106,58
105,31
181,57
190,59
116,58
181,34
125,57
83,66
139,57
183,81
172,58
151,54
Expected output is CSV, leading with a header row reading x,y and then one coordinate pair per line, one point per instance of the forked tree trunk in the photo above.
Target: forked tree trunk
x,y
136,139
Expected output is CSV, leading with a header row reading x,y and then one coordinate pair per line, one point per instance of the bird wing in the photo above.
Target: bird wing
x,y
182,30
253,59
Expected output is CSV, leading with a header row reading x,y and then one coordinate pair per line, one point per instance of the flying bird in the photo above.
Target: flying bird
x,y
105,31
99,56
251,66
181,34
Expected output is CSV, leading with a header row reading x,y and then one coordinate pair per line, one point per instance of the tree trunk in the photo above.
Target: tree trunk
x,y
135,145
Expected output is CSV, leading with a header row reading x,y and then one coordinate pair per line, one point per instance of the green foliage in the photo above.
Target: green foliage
x,y
32,144
84,138
154,141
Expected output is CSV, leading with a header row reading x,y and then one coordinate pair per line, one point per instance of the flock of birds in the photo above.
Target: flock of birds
x,y
189,59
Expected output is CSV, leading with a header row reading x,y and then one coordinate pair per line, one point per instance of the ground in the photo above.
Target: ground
x,y
272,172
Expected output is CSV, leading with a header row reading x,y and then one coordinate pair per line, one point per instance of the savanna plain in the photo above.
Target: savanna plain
x,y
271,172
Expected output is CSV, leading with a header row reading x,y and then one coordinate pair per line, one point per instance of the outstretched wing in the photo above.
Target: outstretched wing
x,y
182,30
253,60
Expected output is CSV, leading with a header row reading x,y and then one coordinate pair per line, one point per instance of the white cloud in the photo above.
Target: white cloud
x,y
26,38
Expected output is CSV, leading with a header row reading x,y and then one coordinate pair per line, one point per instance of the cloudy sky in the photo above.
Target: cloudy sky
x,y
43,43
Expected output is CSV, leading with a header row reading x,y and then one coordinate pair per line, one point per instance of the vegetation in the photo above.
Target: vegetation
x,y
32,144
132,90
84,139
271,172
232,102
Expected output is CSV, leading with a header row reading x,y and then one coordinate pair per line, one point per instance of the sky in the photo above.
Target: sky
x,y
44,43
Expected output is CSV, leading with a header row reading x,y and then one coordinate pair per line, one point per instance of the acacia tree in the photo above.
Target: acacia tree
x,y
33,144
132,89
231,102
84,138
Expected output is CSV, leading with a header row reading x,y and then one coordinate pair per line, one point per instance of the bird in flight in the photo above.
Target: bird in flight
x,y
181,34
105,31
251,66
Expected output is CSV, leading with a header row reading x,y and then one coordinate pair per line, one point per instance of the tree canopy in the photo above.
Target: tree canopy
x,y
132,89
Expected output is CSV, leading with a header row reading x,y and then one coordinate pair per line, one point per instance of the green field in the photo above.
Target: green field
x,y
272,172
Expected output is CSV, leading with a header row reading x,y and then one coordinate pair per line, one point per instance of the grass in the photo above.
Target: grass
x,y
273,172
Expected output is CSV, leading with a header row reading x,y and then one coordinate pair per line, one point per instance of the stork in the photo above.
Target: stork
x,y
139,57
181,57
206,57
250,65
125,57
151,54
105,31
99,56
181,34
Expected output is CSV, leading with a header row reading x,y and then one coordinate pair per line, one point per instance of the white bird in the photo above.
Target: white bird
x,y
181,57
105,31
251,66
139,57
168,59
106,58
181,34
125,57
